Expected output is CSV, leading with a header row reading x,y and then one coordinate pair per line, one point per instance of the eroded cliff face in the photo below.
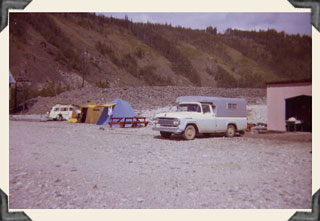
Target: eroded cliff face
x,y
58,50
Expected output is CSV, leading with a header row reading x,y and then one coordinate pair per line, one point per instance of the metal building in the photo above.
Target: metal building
x,y
287,100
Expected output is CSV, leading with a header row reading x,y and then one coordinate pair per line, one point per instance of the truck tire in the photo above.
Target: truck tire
x,y
165,134
59,118
231,131
189,133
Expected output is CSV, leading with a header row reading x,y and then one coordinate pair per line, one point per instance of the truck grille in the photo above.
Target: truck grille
x,y
166,122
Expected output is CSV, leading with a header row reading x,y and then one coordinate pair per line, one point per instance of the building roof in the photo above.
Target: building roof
x,y
209,99
306,81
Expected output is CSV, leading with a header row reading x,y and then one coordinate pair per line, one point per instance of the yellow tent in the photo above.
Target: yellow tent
x,y
91,112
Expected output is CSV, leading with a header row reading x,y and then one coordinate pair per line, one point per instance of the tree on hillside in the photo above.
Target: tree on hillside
x,y
211,30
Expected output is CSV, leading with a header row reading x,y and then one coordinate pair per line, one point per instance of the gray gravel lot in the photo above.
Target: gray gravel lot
x,y
63,165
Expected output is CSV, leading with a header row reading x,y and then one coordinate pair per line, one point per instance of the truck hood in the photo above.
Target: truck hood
x,y
178,115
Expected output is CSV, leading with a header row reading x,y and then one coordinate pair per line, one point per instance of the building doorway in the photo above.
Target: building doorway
x,y
300,107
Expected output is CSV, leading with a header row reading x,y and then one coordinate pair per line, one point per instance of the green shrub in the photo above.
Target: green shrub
x,y
103,84
252,80
51,90
129,63
107,51
223,78
103,48
147,74
140,53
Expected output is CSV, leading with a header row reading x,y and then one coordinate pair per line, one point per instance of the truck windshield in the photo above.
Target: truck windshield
x,y
189,107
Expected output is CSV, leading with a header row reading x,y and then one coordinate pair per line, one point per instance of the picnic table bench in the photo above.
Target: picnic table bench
x,y
132,121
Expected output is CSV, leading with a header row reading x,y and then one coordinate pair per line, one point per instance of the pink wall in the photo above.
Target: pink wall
x,y
276,95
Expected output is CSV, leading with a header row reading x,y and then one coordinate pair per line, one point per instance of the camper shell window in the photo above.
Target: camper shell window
x,y
232,106
57,109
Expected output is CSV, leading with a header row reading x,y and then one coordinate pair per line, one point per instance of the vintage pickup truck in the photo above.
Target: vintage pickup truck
x,y
203,115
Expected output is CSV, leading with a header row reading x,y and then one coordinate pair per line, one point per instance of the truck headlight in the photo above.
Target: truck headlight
x,y
176,122
155,120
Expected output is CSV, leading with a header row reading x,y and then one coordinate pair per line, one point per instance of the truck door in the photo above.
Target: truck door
x,y
208,119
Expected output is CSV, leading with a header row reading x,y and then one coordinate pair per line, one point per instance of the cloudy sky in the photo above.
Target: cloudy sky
x,y
291,23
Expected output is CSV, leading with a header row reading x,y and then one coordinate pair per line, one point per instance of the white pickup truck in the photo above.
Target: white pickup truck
x,y
203,115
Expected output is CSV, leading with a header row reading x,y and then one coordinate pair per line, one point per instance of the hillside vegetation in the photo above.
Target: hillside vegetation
x,y
55,50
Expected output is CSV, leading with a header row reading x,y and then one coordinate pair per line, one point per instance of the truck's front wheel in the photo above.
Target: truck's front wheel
x,y
165,134
189,133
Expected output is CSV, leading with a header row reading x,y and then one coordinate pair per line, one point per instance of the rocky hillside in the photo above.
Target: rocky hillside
x,y
141,98
54,50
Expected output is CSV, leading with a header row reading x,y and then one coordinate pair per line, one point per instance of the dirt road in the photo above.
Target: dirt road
x,y
62,165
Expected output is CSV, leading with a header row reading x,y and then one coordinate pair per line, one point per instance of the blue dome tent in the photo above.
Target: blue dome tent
x,y
121,109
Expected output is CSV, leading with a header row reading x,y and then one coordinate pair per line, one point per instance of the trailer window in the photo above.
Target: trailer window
x,y
232,106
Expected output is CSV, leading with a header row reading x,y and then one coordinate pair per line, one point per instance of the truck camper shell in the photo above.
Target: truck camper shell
x,y
223,107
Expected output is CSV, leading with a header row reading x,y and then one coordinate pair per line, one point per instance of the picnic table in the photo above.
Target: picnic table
x,y
131,121
294,125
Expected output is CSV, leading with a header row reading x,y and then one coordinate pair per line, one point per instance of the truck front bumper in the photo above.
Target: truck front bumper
x,y
176,130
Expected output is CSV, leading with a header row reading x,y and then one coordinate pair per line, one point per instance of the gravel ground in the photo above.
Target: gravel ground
x,y
62,165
